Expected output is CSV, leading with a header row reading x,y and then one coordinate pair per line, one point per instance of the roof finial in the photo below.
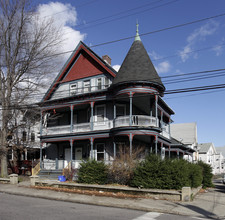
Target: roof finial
x,y
137,37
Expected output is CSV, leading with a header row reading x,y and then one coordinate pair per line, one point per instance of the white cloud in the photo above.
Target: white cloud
x,y
116,67
154,56
163,67
197,36
218,49
205,30
64,17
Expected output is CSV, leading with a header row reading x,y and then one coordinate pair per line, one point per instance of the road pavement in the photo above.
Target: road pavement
x,y
210,204
15,207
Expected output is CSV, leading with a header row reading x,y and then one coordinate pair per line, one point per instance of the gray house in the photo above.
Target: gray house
x,y
92,111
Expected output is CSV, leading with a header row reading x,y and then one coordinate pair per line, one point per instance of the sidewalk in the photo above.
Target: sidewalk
x,y
210,204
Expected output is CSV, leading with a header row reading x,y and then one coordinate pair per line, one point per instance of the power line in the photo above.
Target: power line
x,y
191,77
175,91
125,16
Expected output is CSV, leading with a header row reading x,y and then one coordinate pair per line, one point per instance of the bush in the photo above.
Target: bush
x,y
166,174
207,174
195,175
122,168
92,172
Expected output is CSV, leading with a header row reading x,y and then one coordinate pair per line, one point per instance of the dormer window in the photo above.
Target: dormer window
x,y
99,83
73,89
87,86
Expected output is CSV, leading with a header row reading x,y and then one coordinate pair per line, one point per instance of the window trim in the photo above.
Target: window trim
x,y
99,87
86,87
72,90
104,152
106,85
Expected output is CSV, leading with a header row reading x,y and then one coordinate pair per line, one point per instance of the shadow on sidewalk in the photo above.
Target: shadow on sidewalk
x,y
220,188
201,211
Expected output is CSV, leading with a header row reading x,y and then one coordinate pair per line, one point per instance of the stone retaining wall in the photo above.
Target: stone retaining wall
x,y
172,195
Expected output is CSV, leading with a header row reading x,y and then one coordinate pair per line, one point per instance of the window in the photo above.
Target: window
x,y
100,147
99,83
100,113
87,86
120,110
73,89
106,82
32,137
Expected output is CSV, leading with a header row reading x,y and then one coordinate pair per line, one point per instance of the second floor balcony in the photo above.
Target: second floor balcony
x,y
121,121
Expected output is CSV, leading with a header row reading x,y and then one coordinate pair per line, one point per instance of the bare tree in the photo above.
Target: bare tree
x,y
26,45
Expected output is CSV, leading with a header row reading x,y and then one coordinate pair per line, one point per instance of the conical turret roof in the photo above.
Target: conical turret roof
x,y
137,67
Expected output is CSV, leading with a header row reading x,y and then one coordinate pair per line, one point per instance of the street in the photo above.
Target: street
x,y
26,208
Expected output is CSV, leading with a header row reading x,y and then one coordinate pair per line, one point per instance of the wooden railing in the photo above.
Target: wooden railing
x,y
36,169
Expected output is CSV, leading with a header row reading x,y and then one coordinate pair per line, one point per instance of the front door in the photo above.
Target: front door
x,y
78,153
67,156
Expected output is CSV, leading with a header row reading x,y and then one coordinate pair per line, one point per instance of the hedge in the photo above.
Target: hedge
x,y
92,172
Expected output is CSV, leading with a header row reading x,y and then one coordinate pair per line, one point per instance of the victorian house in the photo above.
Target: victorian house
x,y
91,111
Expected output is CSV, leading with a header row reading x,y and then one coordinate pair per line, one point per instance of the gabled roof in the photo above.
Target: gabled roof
x,y
82,63
204,147
137,67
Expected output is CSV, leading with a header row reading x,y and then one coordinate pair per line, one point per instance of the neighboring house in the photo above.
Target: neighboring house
x,y
186,133
221,150
91,111
208,154
23,141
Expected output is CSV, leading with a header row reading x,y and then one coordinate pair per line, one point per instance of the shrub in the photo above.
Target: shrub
x,y
146,175
166,174
92,172
122,168
195,175
207,174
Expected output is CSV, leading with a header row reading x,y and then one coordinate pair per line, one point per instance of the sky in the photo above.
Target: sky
x,y
174,48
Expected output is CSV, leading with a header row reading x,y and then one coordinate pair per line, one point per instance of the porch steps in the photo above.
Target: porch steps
x,y
50,174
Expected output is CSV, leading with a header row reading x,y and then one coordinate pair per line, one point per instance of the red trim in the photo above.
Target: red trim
x,y
81,47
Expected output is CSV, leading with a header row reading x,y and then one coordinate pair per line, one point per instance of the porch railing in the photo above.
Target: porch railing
x,y
136,120
121,121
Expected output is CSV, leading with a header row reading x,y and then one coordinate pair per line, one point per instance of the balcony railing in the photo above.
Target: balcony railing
x,y
136,120
121,121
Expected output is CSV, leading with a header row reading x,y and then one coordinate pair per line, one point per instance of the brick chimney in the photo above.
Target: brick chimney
x,y
107,59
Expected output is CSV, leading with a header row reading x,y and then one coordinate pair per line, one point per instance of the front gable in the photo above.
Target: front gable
x,y
83,63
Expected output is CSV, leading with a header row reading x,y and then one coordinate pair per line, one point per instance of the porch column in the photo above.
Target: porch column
x,y
150,111
156,109
161,122
178,154
92,140
114,114
41,155
25,152
169,151
156,144
131,100
92,116
40,141
131,140
71,150
71,118
41,124
114,149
